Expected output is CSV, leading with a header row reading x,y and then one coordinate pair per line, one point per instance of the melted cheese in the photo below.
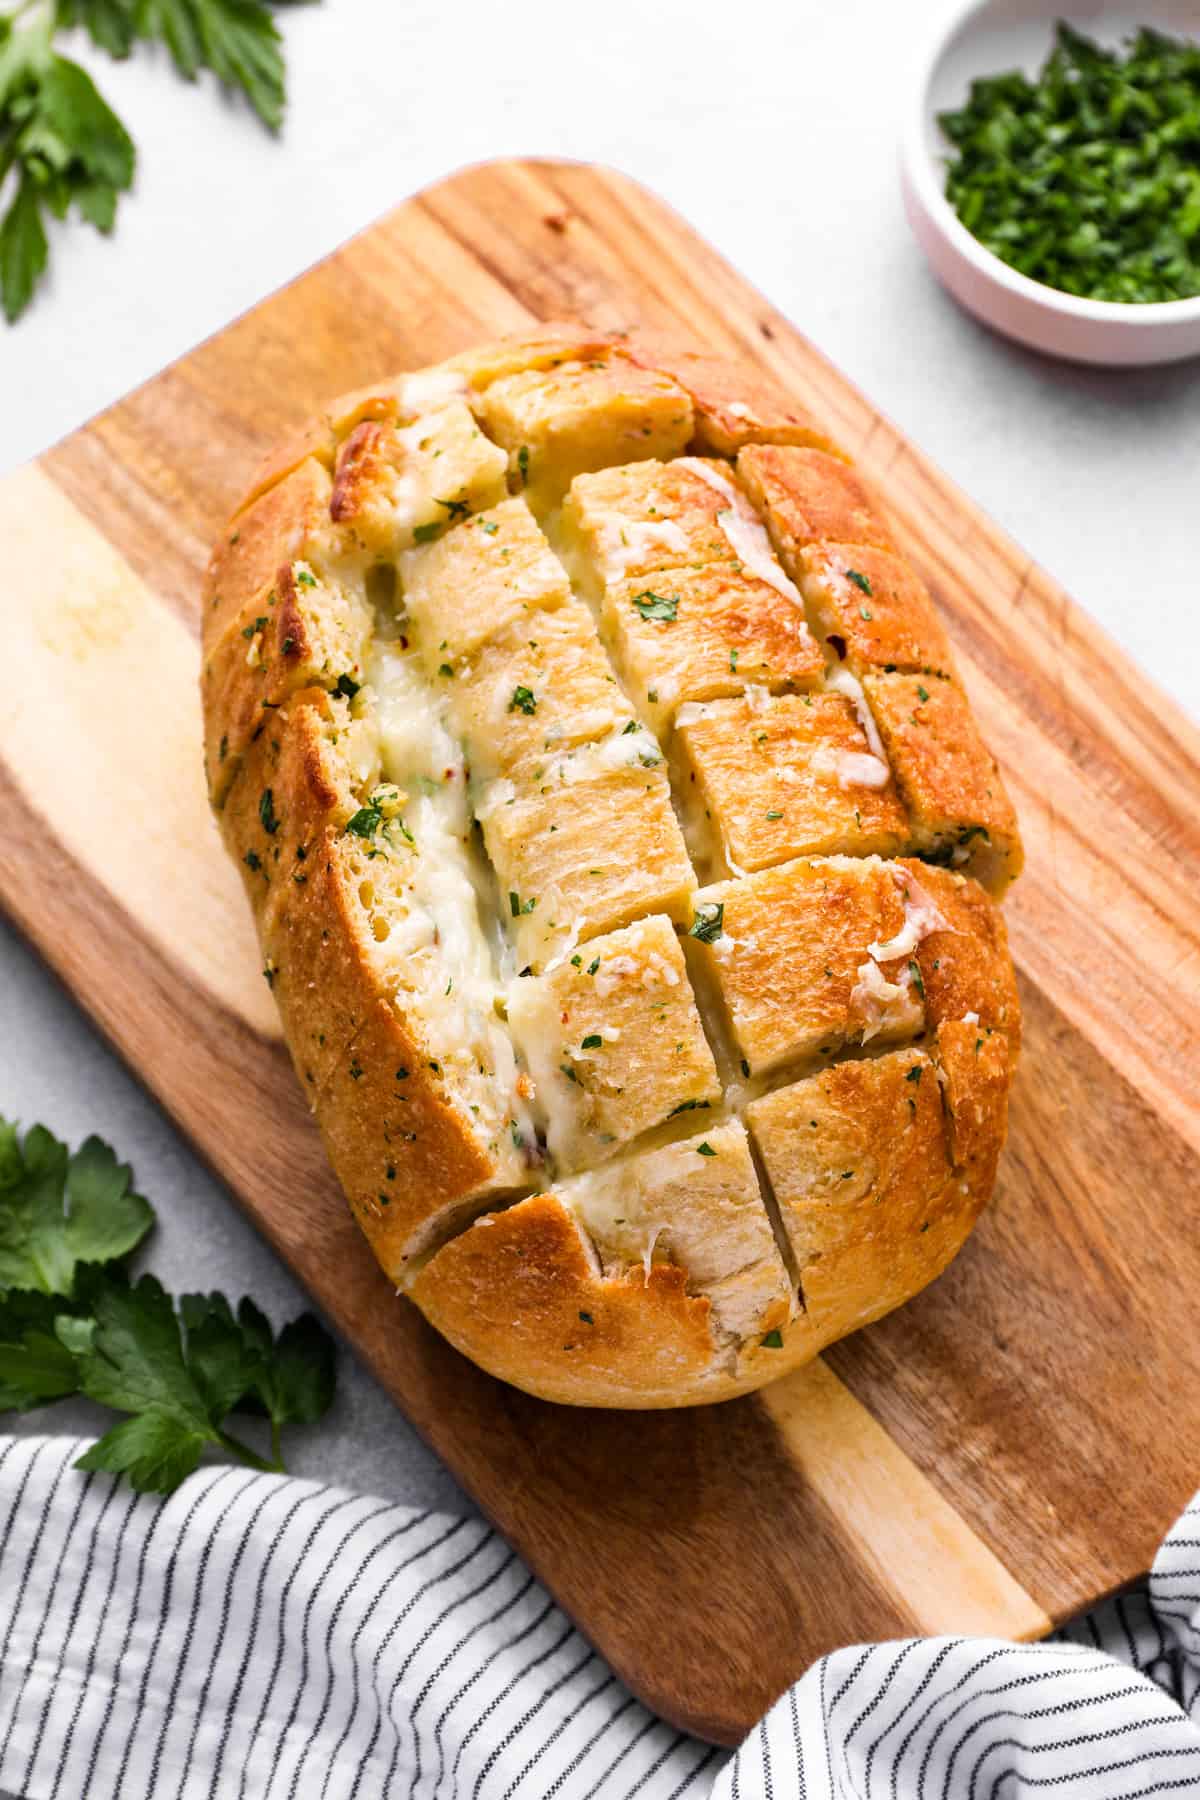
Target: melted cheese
x,y
623,543
720,484
429,389
843,682
752,547
879,1001
921,917
852,768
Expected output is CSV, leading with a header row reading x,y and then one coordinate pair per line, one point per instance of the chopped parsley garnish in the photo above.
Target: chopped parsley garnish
x,y
709,922
586,1318
917,981
632,726
689,1106
445,670
425,534
523,463
922,693
1087,178
705,1149
773,1340
455,509
260,624
523,701
253,860
915,1073
517,906
593,1041
774,815
859,579
347,686
650,605
267,813
366,821
593,965
489,526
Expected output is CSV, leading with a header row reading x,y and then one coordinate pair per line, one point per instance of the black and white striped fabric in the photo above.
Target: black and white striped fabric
x,y
261,1637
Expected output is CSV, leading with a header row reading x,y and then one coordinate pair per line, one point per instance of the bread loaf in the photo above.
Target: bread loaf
x,y
625,861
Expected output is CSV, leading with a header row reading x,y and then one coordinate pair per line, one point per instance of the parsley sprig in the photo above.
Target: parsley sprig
x,y
1088,177
71,1322
62,147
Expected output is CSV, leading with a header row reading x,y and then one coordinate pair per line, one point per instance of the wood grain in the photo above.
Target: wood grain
x,y
992,1458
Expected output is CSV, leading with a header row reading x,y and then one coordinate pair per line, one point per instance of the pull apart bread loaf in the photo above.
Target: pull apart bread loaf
x,y
624,855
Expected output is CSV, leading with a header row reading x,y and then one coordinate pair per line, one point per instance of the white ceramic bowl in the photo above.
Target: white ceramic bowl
x,y
984,39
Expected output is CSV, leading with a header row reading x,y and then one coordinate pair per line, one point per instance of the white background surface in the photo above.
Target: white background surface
x,y
773,129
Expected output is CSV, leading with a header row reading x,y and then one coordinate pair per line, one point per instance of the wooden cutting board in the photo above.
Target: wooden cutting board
x,y
994,1457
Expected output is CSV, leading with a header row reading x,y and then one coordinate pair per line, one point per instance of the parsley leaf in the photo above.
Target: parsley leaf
x,y
34,1366
71,1323
57,1211
523,700
709,922
181,1374
656,606
63,144
366,821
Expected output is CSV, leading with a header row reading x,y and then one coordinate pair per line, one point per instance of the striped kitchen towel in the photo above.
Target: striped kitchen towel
x,y
262,1637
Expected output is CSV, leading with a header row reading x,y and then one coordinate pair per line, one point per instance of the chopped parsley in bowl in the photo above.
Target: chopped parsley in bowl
x,y
1087,177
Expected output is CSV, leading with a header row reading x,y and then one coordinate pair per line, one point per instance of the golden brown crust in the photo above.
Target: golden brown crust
x,y
966,968
785,778
863,1176
732,408
275,529
809,497
950,781
519,1293
872,610
650,1273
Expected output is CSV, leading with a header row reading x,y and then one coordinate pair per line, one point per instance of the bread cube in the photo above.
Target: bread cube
x,y
731,408
976,1072
966,970
539,686
555,423
695,1204
486,574
301,632
399,485
809,497
957,804
787,950
695,634
872,610
546,347
281,525
786,777
621,525
590,846
613,1041
856,1156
